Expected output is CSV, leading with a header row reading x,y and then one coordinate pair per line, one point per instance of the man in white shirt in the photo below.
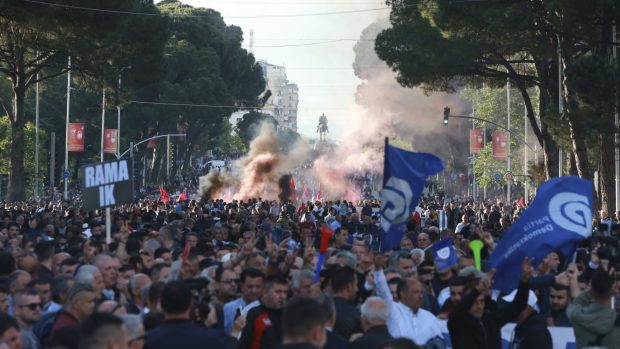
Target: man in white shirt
x,y
406,318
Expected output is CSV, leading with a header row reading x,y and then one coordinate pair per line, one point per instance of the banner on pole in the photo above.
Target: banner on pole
x,y
76,137
110,141
107,184
476,140
500,145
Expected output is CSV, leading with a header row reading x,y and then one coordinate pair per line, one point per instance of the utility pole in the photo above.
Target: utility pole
x,y
66,194
36,139
508,178
525,183
617,124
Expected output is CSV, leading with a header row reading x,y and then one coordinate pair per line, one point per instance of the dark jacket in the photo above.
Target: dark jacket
x,y
347,318
298,346
467,332
335,341
262,329
373,338
184,334
532,334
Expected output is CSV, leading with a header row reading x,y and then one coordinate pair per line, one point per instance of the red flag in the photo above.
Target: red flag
x,y
293,193
318,195
183,196
326,234
520,202
164,195
304,194
152,144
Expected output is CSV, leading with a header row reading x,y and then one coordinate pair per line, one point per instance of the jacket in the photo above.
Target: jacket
x,y
184,334
532,334
373,338
467,332
591,320
262,329
348,318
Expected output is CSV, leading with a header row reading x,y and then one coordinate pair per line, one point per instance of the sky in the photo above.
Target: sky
x,y
322,67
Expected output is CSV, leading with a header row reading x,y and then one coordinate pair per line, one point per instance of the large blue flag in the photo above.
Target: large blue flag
x,y
444,254
559,217
404,175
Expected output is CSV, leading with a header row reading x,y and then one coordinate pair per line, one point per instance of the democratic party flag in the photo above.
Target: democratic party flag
x,y
404,175
444,254
164,195
558,218
442,219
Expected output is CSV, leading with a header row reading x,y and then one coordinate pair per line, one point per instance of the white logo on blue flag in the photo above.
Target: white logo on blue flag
x,y
404,176
558,218
444,254
571,212
395,199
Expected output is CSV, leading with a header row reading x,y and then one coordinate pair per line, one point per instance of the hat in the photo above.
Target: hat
x,y
471,271
85,226
531,298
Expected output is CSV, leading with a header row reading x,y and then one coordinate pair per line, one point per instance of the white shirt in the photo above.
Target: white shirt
x,y
420,327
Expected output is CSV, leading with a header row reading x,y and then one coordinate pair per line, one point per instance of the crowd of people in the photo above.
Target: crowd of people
x,y
255,274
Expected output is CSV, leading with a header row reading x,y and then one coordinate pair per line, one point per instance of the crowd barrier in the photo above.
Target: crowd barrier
x,y
563,337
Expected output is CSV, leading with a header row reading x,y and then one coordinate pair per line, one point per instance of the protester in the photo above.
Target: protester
x,y
303,324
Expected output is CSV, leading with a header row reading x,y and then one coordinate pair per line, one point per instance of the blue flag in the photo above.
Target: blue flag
x,y
559,217
404,175
444,254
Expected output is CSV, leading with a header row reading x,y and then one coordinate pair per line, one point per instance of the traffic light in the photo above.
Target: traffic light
x,y
446,115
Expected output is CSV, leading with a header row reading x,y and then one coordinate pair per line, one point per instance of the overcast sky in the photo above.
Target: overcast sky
x,y
323,72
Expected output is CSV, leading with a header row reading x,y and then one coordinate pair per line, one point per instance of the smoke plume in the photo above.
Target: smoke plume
x,y
284,183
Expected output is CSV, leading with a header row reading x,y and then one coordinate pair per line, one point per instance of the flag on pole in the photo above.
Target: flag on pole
x,y
293,193
442,219
318,194
164,195
183,197
558,219
520,202
404,175
444,254
304,193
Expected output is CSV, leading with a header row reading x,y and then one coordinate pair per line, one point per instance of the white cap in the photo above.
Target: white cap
x,y
531,298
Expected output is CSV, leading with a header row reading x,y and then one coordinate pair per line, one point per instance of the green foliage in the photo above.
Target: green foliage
x,y
485,167
247,128
29,151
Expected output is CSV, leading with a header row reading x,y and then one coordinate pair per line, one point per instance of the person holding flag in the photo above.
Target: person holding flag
x,y
473,325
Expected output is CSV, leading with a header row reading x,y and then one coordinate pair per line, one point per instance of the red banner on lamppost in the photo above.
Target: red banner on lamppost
x,y
110,141
476,140
76,137
500,145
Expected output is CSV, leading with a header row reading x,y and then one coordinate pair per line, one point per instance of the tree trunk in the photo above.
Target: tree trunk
x,y
17,175
572,164
606,174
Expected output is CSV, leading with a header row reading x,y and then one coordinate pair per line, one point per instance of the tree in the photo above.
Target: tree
x,y
35,40
442,45
248,127
485,167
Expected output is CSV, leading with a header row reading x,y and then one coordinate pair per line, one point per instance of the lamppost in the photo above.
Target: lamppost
x,y
118,110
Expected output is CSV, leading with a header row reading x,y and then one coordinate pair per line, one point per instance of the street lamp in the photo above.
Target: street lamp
x,y
118,110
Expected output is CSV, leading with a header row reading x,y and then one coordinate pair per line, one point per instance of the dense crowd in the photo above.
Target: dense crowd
x,y
250,274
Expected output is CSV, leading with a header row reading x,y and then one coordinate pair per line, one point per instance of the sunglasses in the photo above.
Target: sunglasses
x,y
230,281
32,306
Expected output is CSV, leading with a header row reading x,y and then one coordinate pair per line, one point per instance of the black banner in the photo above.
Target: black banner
x,y
107,184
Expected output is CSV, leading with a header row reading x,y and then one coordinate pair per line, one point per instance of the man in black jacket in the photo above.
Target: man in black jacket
x,y
472,325
177,331
344,288
263,323
531,331
374,322
303,324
